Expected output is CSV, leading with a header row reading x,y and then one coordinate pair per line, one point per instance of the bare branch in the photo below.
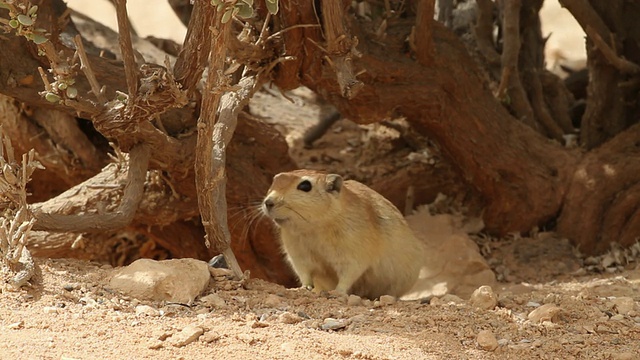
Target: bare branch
x,y
85,66
484,31
341,48
122,216
424,36
609,53
510,76
197,44
126,47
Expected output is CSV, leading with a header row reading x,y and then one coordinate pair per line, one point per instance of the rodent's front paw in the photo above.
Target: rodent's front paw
x,y
307,287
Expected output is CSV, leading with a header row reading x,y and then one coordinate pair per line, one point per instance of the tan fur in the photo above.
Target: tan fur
x,y
352,240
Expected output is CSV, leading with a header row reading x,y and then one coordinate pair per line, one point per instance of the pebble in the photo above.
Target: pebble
x,y
16,325
334,324
155,344
273,301
617,317
213,300
624,305
623,356
387,300
354,300
50,310
188,335
546,312
146,310
210,336
484,298
289,318
487,341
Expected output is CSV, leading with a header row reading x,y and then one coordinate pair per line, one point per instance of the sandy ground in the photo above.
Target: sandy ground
x,y
72,314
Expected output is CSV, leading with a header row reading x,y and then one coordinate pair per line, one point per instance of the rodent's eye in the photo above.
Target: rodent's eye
x,y
305,186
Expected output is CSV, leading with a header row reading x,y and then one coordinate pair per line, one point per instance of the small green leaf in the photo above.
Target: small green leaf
x,y
39,39
272,6
32,10
25,20
72,92
4,6
14,23
216,2
51,97
244,11
227,15
63,86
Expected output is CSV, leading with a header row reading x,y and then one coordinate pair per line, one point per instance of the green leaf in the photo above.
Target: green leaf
x,y
248,2
25,20
272,6
216,2
72,92
39,39
244,11
32,10
227,15
14,23
51,97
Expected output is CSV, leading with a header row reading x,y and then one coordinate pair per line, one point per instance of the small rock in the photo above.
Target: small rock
x,y
69,287
367,303
354,300
213,300
624,305
257,324
387,300
273,301
50,310
484,298
623,356
155,344
221,273
210,336
289,318
188,335
546,312
617,317
334,324
16,325
146,310
176,280
486,340
450,298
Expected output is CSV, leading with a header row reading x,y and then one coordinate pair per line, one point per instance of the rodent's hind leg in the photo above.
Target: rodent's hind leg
x,y
348,276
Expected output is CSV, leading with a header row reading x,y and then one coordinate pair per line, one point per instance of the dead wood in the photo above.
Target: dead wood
x,y
341,47
424,38
123,214
602,204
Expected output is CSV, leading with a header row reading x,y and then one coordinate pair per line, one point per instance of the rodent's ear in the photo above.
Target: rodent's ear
x,y
334,183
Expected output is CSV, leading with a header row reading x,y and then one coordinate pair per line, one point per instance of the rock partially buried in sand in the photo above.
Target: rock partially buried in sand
x,y
484,298
486,340
546,312
177,280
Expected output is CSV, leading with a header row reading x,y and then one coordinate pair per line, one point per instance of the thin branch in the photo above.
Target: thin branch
x,y
126,48
616,61
423,34
510,75
484,31
121,217
341,48
587,16
195,51
85,66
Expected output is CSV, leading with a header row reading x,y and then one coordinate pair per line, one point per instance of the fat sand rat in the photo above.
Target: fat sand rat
x,y
342,235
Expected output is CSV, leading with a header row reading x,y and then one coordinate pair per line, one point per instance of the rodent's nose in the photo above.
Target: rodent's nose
x,y
268,203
